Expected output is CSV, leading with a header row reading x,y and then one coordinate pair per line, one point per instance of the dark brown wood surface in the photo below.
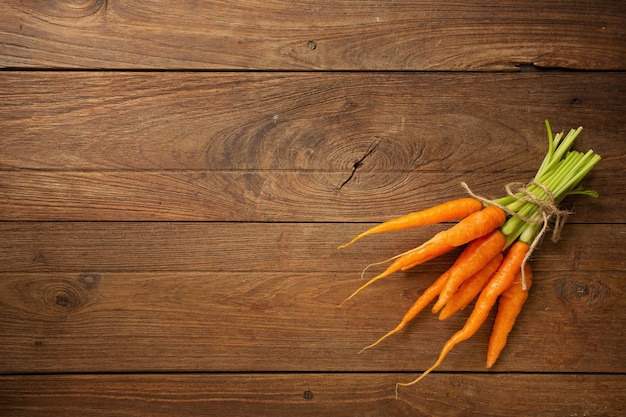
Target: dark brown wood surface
x,y
327,35
310,395
175,178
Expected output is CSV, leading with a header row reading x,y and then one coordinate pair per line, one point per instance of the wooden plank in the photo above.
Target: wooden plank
x,y
271,321
313,395
304,121
347,35
281,196
168,238
270,247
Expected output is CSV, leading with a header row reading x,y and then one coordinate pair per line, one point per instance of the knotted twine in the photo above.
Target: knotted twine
x,y
547,208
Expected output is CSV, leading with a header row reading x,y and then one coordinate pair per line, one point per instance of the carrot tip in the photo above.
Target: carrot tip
x,y
444,315
437,307
344,301
345,245
396,330
416,380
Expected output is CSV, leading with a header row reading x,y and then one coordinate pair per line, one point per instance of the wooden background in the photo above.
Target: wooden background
x,y
175,177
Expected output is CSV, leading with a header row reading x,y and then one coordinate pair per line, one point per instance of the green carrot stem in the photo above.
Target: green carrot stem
x,y
558,176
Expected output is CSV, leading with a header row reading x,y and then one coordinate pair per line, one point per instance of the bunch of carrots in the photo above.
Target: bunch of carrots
x,y
498,238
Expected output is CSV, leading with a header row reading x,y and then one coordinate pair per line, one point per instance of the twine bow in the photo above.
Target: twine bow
x,y
547,208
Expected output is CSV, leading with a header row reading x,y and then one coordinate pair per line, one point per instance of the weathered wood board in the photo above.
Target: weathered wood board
x,y
175,178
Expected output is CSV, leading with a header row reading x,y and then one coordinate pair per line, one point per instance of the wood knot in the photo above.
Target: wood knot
x,y
84,4
54,296
76,8
63,297
584,293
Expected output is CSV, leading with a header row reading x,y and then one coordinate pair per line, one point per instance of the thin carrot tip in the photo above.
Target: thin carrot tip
x,y
391,332
436,308
344,301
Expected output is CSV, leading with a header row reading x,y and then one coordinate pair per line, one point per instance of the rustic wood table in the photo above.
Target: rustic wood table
x,y
175,177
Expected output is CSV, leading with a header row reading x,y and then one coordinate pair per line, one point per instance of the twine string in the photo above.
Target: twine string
x,y
548,210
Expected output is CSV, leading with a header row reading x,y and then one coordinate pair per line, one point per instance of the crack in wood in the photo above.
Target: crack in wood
x,y
359,163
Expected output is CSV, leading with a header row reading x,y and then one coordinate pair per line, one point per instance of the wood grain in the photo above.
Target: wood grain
x,y
97,121
312,395
265,195
277,321
254,247
175,178
349,35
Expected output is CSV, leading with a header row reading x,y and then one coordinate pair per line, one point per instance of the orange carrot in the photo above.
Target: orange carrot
x,y
473,258
422,301
414,256
423,253
450,210
509,307
470,288
500,282
473,226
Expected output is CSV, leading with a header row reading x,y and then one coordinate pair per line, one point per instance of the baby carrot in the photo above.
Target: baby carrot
x,y
414,256
470,288
509,307
450,210
419,304
500,282
473,226
473,258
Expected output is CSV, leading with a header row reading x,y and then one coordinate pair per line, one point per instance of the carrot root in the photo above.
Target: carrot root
x,y
509,307
447,211
473,259
472,227
470,288
394,331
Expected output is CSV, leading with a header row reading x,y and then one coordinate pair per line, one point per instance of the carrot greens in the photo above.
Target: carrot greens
x,y
558,176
